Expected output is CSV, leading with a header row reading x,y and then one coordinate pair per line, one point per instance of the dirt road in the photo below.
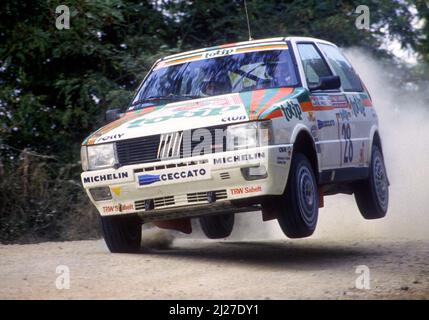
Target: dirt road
x,y
198,269
395,249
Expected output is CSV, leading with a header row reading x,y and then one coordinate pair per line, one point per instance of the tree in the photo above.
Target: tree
x,y
55,84
201,23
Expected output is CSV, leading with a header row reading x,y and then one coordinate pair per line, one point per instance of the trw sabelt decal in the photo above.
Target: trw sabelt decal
x,y
245,190
118,208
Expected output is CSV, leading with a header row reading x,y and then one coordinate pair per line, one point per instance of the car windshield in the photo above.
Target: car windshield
x,y
216,76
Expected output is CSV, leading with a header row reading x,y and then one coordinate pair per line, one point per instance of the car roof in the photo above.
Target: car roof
x,y
244,44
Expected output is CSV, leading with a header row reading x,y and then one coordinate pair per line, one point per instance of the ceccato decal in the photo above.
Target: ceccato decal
x,y
146,179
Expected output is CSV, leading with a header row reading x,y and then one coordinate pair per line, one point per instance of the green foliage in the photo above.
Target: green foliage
x,y
55,84
201,23
422,7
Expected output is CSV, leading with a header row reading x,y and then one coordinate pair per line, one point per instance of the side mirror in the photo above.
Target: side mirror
x,y
112,115
327,83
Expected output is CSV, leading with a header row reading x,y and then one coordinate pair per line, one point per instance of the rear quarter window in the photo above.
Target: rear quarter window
x,y
350,81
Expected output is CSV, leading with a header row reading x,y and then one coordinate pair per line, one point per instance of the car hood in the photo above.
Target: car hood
x,y
190,114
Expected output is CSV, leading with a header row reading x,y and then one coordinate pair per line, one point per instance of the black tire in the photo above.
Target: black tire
x,y
122,234
217,226
298,207
372,194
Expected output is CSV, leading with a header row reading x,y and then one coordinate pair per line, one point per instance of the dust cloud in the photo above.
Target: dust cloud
x,y
154,238
404,127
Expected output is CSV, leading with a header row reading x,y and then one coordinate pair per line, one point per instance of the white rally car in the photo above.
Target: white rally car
x,y
268,125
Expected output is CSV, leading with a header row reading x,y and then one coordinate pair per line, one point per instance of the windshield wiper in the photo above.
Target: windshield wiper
x,y
170,97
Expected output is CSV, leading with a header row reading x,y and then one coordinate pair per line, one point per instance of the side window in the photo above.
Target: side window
x,y
313,63
349,79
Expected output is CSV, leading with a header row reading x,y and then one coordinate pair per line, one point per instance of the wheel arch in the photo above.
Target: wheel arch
x,y
375,139
303,142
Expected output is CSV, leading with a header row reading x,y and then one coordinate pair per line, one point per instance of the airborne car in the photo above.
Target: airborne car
x,y
268,125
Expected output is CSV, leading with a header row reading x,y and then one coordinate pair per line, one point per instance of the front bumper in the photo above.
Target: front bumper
x,y
179,187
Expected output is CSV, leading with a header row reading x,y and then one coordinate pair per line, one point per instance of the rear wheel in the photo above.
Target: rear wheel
x,y
298,207
122,234
372,194
217,226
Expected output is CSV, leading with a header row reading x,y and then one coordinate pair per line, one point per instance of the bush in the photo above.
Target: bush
x,y
42,200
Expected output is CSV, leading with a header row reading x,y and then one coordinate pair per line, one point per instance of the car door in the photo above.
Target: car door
x,y
322,115
354,120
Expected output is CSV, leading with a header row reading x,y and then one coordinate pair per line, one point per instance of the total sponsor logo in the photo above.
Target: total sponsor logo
x,y
218,53
357,105
245,190
343,115
105,177
239,158
121,207
291,109
179,113
192,174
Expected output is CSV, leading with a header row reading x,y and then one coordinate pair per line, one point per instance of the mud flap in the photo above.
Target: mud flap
x,y
182,225
321,195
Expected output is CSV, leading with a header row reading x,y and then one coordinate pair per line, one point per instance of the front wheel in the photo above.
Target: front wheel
x,y
217,226
298,207
123,233
372,194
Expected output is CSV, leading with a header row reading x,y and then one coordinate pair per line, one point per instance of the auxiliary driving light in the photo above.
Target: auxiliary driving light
x,y
100,193
254,173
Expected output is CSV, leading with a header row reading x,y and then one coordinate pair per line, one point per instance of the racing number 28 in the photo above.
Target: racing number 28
x,y
346,131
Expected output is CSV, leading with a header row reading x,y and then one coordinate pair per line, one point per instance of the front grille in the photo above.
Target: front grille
x,y
138,150
145,149
164,201
203,196
180,200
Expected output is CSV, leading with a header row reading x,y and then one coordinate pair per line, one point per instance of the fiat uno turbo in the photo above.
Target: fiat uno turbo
x,y
268,125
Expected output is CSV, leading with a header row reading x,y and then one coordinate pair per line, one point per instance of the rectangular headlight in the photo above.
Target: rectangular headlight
x,y
84,158
101,156
249,135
